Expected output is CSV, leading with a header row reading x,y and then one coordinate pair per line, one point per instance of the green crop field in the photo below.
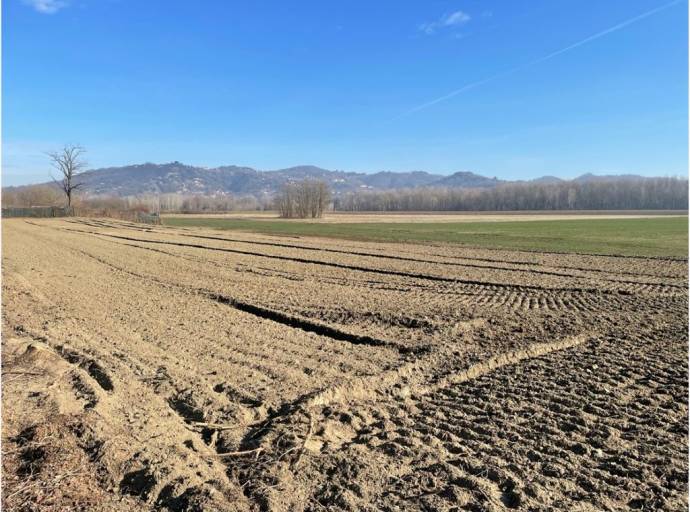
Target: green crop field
x,y
661,236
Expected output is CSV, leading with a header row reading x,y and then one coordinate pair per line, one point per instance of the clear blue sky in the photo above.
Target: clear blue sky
x,y
559,87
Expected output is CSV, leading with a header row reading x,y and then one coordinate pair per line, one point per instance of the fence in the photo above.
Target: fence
x,y
35,211
55,211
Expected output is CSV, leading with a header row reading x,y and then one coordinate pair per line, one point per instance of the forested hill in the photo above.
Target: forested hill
x,y
179,178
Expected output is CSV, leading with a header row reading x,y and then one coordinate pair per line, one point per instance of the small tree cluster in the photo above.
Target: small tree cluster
x,y
304,199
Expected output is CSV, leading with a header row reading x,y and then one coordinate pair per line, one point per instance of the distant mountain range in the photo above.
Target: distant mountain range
x,y
176,177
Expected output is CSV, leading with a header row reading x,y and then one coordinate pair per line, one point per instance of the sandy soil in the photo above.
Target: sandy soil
x,y
157,368
366,217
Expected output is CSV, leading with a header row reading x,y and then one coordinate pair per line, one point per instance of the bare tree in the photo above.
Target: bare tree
x,y
323,198
286,201
69,162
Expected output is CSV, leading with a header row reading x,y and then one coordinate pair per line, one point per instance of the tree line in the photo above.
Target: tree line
x,y
51,195
618,194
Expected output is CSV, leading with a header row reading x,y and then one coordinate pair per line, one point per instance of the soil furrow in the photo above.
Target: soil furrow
x,y
531,270
355,267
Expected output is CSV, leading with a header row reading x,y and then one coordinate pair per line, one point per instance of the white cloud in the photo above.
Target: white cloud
x,y
453,19
46,6
456,18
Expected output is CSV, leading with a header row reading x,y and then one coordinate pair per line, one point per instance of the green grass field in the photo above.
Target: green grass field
x,y
662,236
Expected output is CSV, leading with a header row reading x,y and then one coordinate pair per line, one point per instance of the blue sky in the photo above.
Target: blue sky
x,y
537,87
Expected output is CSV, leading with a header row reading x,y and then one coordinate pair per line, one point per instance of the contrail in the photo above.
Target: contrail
x,y
549,56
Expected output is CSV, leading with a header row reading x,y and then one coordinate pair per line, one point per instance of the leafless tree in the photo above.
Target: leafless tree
x,y
69,163
286,201
321,198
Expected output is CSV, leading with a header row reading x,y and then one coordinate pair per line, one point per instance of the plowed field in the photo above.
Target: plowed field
x,y
161,368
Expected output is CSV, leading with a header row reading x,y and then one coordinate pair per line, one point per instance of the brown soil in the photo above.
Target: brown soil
x,y
154,368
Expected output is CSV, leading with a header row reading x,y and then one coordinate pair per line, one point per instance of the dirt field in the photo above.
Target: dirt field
x,y
160,368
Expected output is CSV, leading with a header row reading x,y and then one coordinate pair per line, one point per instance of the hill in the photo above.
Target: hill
x,y
178,178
